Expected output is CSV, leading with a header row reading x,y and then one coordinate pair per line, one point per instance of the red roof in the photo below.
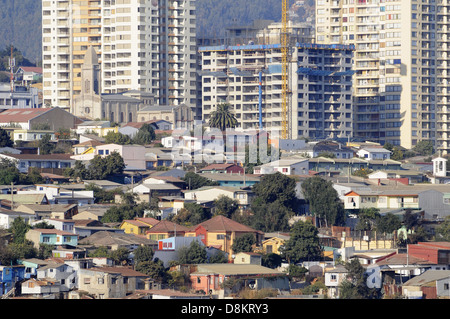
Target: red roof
x,y
166,226
34,69
148,220
21,115
222,223
217,166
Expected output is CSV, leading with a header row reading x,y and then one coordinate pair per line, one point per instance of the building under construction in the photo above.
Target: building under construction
x,y
249,78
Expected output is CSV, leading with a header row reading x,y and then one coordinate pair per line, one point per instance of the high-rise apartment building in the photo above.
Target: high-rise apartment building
x,y
401,60
141,45
249,79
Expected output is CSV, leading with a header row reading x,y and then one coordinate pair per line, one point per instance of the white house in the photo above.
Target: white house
x,y
61,224
99,127
285,166
25,161
7,217
133,155
56,194
211,193
374,153
32,135
333,279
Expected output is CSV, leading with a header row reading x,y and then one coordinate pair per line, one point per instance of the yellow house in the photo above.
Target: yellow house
x,y
138,226
166,229
221,232
272,245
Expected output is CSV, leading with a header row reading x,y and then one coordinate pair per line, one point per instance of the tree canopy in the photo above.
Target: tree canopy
x,y
145,135
303,244
195,181
323,200
5,139
99,167
275,202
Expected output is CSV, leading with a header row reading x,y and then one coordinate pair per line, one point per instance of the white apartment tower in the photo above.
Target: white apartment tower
x,y
249,79
142,45
401,61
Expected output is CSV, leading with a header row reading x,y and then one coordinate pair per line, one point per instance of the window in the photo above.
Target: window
x,y
220,236
87,281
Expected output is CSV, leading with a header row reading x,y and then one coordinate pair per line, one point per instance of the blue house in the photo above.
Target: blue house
x,y
51,237
232,180
9,276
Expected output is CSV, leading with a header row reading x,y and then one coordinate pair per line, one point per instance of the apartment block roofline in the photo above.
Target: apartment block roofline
x,y
276,46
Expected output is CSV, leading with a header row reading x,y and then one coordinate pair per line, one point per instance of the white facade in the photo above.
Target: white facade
x,y
142,45
7,217
20,98
320,83
401,82
285,166
374,153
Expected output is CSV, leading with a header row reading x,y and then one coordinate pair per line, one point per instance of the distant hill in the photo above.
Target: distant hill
x,y
20,20
20,25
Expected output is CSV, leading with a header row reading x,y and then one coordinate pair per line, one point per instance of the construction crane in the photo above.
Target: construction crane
x,y
285,69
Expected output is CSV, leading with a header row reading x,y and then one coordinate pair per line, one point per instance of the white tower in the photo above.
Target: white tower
x,y
439,167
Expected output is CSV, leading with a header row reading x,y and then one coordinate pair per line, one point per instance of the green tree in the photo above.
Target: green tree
x,y
277,187
143,253
355,287
323,200
397,154
34,177
269,217
226,206
100,252
296,271
196,181
9,173
192,254
117,138
271,260
191,214
104,167
424,148
45,251
22,250
410,220
303,244
45,146
19,228
5,139
244,243
154,269
388,223
218,258
368,218
62,134
222,118
145,135
104,196
120,256
443,230
79,171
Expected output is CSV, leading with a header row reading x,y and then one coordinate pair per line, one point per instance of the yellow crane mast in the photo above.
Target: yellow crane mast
x,y
285,69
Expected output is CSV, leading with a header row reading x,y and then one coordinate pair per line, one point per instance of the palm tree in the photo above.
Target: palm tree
x,y
223,118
